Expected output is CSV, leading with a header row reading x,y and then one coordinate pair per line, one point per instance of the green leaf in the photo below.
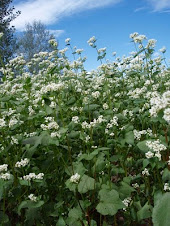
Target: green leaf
x,y
93,223
142,146
24,204
129,137
100,57
166,175
48,110
29,204
33,140
89,156
71,186
144,212
61,222
110,202
74,217
91,107
31,215
74,134
86,183
79,168
103,149
24,182
125,190
75,213
161,210
145,163
71,101
3,218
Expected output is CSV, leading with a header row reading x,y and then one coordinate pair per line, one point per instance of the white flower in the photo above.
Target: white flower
x,y
151,43
95,94
14,140
55,134
5,176
91,40
75,119
136,185
1,34
156,146
167,115
67,40
139,38
3,167
126,202
53,104
53,42
112,134
166,187
145,172
101,50
22,163
105,106
163,49
75,178
2,122
51,124
113,122
13,121
169,161
149,154
158,155
79,51
133,35
87,138
40,176
33,176
32,197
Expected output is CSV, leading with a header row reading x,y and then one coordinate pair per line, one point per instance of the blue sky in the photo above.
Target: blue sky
x,y
110,21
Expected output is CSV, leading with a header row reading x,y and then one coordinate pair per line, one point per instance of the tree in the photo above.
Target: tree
x,y
7,40
34,40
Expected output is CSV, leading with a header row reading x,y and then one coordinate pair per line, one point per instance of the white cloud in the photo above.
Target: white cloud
x,y
56,33
139,9
50,11
159,5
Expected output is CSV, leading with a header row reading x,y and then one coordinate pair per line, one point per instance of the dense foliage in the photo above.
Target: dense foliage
x,y
82,148
33,40
7,41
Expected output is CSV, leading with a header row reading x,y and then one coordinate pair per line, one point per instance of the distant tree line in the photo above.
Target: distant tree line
x,y
32,40
7,41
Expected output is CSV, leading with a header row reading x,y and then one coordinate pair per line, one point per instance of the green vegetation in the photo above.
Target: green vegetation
x,y
80,148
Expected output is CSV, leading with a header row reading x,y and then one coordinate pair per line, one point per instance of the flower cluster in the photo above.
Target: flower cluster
x,y
5,176
138,134
75,178
33,176
22,163
166,187
32,197
127,202
156,147
145,172
3,167
51,124
158,103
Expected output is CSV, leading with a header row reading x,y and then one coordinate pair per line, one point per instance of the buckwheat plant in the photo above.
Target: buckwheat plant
x,y
85,148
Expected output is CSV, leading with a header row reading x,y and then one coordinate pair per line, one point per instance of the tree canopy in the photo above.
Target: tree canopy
x,y
33,40
7,41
